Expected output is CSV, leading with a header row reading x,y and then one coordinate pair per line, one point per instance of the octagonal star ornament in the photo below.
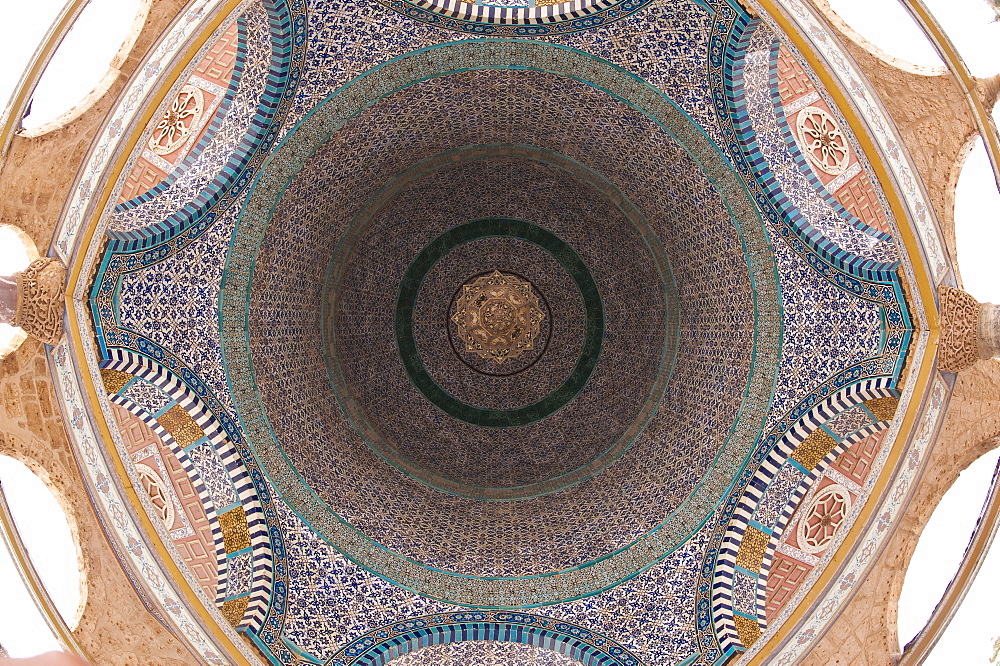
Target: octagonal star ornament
x,y
498,316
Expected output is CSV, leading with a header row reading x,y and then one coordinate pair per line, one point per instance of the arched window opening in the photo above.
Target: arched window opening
x,y
974,30
976,233
86,63
972,631
887,26
16,49
44,529
16,252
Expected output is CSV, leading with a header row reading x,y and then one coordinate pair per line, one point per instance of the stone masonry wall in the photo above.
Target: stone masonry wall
x,y
35,180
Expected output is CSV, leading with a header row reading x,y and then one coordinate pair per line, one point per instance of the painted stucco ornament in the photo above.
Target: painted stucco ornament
x,y
498,316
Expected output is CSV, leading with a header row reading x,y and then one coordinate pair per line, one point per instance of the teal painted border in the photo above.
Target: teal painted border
x,y
496,592
407,342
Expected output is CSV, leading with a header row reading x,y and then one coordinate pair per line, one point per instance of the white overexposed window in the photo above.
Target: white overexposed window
x,y
974,30
969,637
82,60
887,25
18,45
46,534
977,226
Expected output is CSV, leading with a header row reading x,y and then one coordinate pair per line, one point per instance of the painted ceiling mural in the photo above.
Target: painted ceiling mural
x,y
446,332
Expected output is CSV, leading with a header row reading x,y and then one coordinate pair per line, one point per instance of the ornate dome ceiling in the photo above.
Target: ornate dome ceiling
x,y
561,341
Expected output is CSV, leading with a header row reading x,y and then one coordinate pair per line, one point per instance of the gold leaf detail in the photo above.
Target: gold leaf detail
x,y
751,553
815,447
748,630
181,426
115,380
235,532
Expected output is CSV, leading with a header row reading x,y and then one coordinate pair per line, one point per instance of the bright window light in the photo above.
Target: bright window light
x,y
888,26
16,48
46,534
977,226
973,29
82,60
969,638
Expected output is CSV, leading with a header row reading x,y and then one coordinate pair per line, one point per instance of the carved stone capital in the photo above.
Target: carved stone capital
x,y
958,348
40,290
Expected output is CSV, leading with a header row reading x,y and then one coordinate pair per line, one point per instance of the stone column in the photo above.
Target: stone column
x,y
8,299
989,331
970,330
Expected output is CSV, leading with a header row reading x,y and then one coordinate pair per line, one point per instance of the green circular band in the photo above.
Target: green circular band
x,y
407,343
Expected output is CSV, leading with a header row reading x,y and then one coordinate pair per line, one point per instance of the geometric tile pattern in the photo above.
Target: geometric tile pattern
x,y
295,324
483,654
856,462
415,634
784,578
215,77
753,517
198,546
251,511
853,192
857,194
386,34
333,602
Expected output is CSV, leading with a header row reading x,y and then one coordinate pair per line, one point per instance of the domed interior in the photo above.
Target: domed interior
x,y
509,158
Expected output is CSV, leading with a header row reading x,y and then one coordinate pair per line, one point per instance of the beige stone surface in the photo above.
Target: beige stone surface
x,y
930,113
115,627
35,180
865,632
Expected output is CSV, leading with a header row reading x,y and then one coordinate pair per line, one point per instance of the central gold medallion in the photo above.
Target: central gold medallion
x,y
498,316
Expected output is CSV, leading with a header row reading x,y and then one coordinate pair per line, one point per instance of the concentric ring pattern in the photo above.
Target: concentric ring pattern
x,y
484,513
